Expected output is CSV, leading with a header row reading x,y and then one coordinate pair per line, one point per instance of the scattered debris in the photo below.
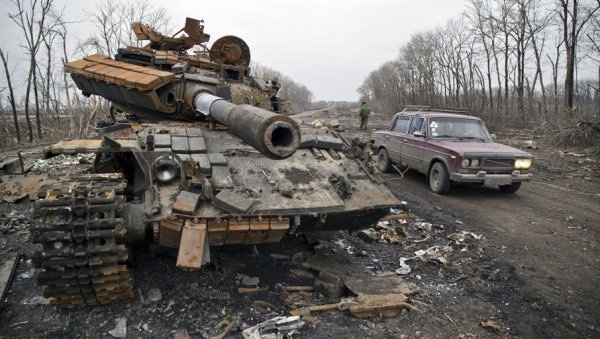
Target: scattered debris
x,y
298,288
230,325
153,295
7,273
392,234
536,306
435,253
387,305
404,268
249,281
491,325
182,333
424,226
342,305
302,273
463,237
120,330
36,300
275,328
169,306
264,307
329,285
246,290
64,160
368,235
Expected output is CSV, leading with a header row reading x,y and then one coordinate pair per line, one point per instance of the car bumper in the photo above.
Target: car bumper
x,y
491,179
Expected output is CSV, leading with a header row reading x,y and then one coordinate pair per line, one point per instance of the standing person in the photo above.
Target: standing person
x,y
364,115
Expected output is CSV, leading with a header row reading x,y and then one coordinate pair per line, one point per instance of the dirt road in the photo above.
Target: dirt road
x,y
548,232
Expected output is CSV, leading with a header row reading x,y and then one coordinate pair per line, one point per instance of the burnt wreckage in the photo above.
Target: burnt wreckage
x,y
206,162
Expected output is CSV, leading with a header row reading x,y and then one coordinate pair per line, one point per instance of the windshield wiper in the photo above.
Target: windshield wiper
x,y
448,136
476,138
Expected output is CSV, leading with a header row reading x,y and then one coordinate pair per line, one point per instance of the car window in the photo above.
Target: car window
x,y
461,128
416,124
401,125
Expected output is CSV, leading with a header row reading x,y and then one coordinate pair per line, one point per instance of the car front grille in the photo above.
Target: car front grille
x,y
498,163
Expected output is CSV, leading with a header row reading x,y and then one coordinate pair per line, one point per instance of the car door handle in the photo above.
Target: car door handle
x,y
387,136
404,140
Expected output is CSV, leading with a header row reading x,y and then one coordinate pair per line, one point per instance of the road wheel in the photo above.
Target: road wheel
x,y
512,188
439,182
383,161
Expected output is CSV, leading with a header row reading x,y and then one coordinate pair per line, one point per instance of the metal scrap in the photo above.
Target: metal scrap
x,y
276,328
435,253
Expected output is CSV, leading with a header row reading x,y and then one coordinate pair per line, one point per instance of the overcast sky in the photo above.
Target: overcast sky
x,y
329,46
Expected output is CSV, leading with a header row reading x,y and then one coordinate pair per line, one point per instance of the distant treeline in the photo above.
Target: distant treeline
x,y
513,62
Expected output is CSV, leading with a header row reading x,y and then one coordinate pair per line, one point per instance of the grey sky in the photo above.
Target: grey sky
x,y
329,46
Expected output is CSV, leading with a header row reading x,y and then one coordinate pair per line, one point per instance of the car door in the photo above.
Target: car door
x,y
395,138
413,146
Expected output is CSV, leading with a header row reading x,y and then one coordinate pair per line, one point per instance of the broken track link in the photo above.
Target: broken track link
x,y
81,259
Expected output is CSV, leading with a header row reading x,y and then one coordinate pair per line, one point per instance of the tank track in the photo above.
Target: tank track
x,y
81,259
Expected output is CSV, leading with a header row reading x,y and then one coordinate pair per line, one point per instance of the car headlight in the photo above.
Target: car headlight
x,y
522,163
465,163
474,162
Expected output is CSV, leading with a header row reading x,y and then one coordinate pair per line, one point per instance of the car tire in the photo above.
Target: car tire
x,y
383,161
439,182
512,188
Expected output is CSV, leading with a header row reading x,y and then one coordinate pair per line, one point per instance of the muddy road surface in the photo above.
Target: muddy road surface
x,y
548,232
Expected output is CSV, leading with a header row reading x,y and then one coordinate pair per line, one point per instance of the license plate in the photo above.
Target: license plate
x,y
498,181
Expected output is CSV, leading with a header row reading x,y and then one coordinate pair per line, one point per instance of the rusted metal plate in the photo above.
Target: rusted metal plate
x,y
387,305
16,187
191,246
217,232
277,230
258,231
237,232
103,68
170,232
186,203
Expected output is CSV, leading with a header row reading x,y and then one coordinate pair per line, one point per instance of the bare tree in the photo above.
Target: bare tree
x,y
11,97
31,20
574,16
477,14
112,21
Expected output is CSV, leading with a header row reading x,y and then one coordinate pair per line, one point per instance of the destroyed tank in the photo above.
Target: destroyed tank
x,y
209,160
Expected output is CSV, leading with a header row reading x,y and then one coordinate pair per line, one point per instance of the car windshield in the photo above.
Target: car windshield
x,y
460,128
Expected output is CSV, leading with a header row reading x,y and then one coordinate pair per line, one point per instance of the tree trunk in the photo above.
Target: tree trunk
x,y
13,106
36,97
27,95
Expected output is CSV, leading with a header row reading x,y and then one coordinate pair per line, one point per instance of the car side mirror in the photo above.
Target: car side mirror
x,y
494,136
419,134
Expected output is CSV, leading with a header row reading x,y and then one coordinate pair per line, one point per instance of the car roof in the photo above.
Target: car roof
x,y
429,114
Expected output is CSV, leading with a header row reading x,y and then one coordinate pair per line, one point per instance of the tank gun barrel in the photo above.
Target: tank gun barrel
x,y
274,135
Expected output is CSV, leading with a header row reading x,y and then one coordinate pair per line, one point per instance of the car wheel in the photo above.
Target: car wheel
x,y
439,182
383,161
512,188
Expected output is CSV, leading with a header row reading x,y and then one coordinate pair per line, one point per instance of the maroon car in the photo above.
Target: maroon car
x,y
450,148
